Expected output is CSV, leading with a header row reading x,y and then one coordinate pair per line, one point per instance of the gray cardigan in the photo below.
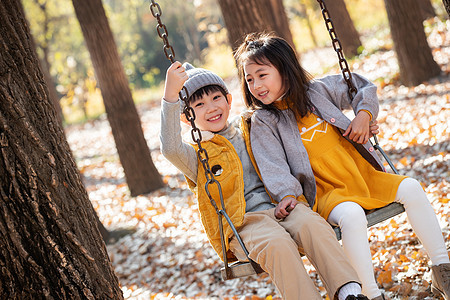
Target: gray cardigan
x,y
277,146
183,156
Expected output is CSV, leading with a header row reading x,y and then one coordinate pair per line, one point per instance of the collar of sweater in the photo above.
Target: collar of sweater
x,y
228,132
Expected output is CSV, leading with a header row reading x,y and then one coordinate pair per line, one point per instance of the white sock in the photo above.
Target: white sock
x,y
351,288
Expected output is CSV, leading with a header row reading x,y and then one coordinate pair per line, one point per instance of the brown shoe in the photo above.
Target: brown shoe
x,y
440,280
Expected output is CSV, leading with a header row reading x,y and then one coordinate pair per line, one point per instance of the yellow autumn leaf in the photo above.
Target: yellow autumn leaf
x,y
385,277
403,258
403,161
393,223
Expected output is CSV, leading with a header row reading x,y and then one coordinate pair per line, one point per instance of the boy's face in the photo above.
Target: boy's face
x,y
212,111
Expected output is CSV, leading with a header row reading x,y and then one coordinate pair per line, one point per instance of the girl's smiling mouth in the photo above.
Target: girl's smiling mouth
x,y
263,94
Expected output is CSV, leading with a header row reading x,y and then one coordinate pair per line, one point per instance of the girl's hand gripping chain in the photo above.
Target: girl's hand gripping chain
x,y
176,76
373,127
359,130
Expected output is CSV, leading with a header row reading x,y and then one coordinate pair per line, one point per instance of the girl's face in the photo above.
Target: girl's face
x,y
263,81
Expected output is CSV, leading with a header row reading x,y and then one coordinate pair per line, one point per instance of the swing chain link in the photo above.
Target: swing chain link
x,y
162,31
188,111
343,65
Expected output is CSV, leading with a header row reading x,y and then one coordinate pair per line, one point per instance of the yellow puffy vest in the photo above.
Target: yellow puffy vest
x,y
221,156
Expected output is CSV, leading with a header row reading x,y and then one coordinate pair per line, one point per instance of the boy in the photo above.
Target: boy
x,y
273,243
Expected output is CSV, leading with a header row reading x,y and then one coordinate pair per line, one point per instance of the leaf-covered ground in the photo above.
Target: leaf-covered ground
x,y
168,255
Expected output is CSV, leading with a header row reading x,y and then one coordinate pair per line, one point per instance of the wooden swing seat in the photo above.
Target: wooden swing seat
x,y
374,216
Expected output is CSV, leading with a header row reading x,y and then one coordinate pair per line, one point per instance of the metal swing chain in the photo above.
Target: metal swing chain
x,y
183,94
343,65
197,137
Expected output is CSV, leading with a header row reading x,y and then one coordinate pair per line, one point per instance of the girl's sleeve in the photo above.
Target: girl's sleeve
x,y
366,97
180,154
271,160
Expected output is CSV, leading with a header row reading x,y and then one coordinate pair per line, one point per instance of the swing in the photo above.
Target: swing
x,y
246,268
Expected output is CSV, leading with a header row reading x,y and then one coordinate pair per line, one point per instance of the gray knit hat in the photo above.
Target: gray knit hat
x,y
199,78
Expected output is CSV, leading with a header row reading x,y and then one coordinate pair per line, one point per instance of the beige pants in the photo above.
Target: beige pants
x,y
275,244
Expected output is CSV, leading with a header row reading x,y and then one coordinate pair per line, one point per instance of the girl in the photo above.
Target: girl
x,y
306,148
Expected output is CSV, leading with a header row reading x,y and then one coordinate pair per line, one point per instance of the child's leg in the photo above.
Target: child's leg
x,y
351,219
318,241
423,219
275,251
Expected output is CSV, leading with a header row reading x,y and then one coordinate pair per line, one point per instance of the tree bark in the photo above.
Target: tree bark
x,y
244,17
53,94
141,175
414,55
282,21
50,246
45,63
345,29
427,9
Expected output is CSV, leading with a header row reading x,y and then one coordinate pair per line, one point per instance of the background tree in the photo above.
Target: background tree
x,y
139,45
304,12
427,9
281,20
140,172
60,47
414,55
49,243
243,17
345,29
45,64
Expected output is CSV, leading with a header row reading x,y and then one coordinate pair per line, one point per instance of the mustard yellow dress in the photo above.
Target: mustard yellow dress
x,y
341,173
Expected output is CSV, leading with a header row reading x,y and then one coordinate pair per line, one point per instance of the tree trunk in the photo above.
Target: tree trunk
x,y
447,6
141,175
282,21
427,9
45,64
53,94
414,56
50,246
244,17
304,11
345,29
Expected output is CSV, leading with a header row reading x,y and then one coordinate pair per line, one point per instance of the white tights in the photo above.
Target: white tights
x,y
350,217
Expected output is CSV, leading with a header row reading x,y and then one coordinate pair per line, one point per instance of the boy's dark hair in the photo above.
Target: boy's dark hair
x,y
266,49
206,90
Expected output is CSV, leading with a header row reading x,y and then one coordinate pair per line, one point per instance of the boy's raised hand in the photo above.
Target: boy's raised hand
x,y
176,76
359,130
284,207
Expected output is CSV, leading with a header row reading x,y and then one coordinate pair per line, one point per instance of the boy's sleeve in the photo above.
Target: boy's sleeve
x,y
271,160
180,154
365,99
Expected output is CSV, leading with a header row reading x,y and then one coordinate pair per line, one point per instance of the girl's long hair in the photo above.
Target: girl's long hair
x,y
265,49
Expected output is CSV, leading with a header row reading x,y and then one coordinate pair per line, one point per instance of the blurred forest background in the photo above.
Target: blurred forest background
x,y
196,32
